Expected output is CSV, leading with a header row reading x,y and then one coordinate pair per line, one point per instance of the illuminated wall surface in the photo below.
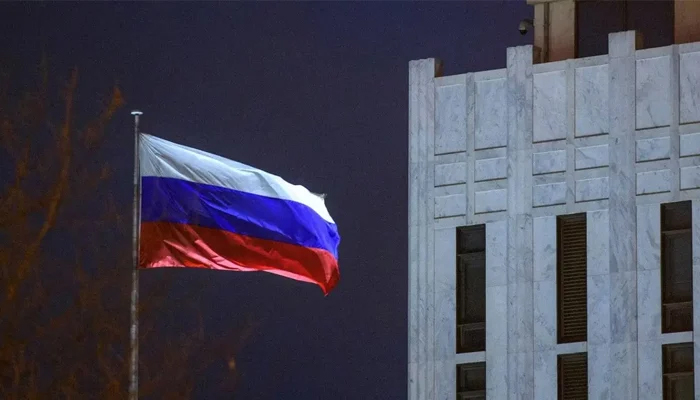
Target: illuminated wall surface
x,y
612,137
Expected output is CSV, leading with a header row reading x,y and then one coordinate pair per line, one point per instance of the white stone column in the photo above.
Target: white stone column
x,y
696,294
520,284
622,217
545,307
497,310
649,301
421,315
598,305
445,312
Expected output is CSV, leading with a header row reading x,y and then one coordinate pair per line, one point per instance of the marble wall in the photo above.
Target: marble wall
x,y
613,136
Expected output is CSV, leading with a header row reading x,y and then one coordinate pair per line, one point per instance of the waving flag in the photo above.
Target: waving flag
x,y
200,210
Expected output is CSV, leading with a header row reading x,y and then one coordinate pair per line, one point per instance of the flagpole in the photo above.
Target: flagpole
x,y
134,348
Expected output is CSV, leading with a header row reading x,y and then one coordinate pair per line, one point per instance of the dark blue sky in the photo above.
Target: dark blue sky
x,y
314,92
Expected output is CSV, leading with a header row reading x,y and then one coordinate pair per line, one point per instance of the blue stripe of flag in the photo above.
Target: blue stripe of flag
x,y
179,201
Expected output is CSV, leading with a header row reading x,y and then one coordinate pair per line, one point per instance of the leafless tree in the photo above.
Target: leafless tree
x,y
65,262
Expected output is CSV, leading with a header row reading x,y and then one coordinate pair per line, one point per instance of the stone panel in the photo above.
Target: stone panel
x,y
496,341
598,241
549,106
445,289
623,371
450,205
623,306
445,378
592,189
650,370
491,117
649,298
520,257
545,315
690,145
648,237
496,253
654,182
599,375
591,100
450,119
653,89
490,168
689,87
548,162
690,177
490,201
653,149
544,248
592,157
521,376
598,294
549,194
545,366
450,174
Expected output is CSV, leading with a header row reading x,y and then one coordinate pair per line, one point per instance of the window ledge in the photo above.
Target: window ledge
x,y
468,358
570,348
677,337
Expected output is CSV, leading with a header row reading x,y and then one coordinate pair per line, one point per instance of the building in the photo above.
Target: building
x,y
554,212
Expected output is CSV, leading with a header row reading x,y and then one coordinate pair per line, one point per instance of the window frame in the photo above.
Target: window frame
x,y
466,393
670,376
562,360
567,282
682,305
474,252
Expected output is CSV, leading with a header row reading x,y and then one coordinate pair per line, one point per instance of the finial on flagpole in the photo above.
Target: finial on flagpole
x,y
136,114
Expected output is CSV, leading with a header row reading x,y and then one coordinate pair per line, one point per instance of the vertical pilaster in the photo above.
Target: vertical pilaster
x,y
649,301
421,315
496,310
545,307
520,264
622,216
445,312
598,305
696,293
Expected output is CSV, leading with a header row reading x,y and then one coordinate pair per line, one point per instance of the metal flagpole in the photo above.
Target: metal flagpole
x,y
134,357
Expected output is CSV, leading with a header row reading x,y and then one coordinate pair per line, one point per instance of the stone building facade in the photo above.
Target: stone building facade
x,y
532,184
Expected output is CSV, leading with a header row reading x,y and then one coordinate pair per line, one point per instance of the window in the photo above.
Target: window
x,y
471,289
471,381
571,278
678,371
676,267
573,376
595,19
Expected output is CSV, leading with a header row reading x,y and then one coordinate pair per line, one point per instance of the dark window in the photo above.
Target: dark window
x,y
595,19
678,371
471,289
571,278
471,381
573,376
676,267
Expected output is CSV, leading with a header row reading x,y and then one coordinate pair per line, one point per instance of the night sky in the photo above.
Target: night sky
x,y
314,92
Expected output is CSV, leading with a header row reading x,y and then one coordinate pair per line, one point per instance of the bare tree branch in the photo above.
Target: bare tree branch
x,y
65,273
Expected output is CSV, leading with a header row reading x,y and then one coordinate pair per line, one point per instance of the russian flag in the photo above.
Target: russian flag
x,y
200,210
